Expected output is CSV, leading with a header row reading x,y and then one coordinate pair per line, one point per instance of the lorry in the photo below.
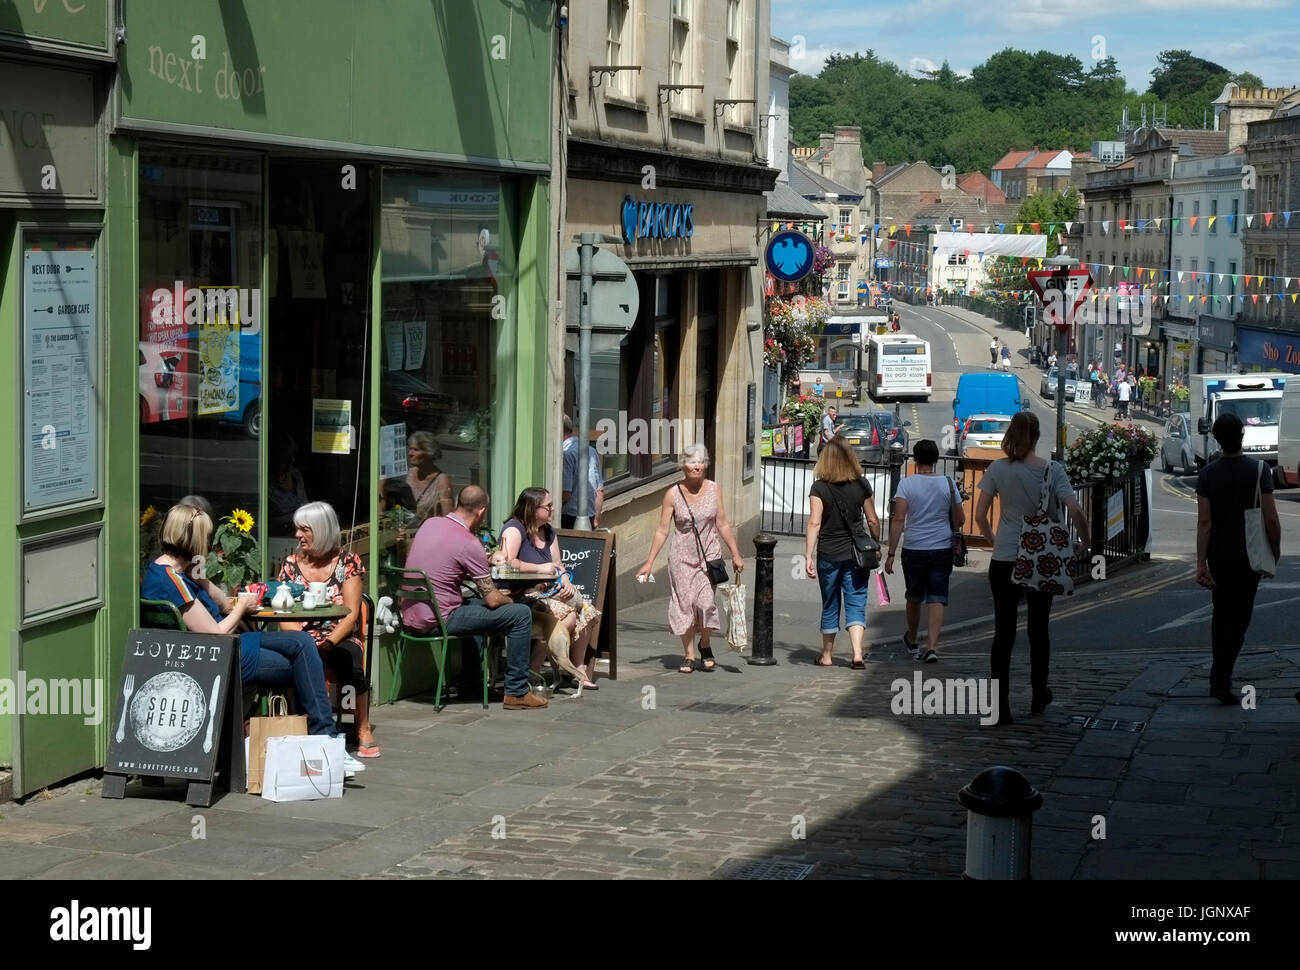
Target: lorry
x,y
1255,398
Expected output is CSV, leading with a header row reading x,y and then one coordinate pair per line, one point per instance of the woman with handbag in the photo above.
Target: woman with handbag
x,y
841,550
695,566
1020,481
929,516
529,544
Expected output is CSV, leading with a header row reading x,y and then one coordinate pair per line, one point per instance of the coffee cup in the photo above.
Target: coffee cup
x,y
319,591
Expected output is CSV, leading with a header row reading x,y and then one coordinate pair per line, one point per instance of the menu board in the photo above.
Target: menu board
x,y
60,453
589,556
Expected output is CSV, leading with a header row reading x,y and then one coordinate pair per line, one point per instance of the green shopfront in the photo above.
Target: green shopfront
x,y
320,244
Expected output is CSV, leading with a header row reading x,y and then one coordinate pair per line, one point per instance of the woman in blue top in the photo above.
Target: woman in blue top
x,y
274,659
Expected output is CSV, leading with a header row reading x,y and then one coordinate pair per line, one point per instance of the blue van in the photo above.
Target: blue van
x,y
987,393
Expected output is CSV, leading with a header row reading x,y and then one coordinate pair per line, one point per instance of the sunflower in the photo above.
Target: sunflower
x,y
242,520
147,516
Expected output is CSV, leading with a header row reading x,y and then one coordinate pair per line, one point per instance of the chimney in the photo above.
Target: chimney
x,y
847,167
878,169
827,142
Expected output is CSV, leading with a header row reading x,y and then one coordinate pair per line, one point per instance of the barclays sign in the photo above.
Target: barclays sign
x,y
656,220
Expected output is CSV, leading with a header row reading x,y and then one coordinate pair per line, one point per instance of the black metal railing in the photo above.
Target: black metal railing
x,y
783,506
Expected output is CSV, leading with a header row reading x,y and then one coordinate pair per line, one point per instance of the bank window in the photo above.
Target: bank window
x,y
200,353
1179,215
1236,206
1196,214
1210,277
447,278
1214,214
683,66
619,45
1232,281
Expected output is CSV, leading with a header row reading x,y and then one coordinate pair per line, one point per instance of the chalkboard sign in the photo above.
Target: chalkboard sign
x,y
177,705
590,556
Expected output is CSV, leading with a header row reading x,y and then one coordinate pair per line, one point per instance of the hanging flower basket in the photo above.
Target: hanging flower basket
x,y
1109,453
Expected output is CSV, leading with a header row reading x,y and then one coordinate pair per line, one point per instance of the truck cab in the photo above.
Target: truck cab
x,y
1255,398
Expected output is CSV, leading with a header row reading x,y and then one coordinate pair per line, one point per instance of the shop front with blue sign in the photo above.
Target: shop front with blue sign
x,y
1268,350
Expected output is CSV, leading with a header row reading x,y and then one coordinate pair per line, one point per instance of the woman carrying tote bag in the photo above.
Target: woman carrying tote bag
x,y
1231,550
1017,481
839,491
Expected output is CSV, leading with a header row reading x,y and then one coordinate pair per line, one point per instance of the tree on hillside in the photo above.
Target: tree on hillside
x,y
1181,73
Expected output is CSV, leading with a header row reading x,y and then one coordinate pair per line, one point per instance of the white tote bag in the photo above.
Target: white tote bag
x,y
732,596
299,769
1257,548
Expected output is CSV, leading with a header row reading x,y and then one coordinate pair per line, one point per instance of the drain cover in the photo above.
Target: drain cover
x,y
1108,724
766,869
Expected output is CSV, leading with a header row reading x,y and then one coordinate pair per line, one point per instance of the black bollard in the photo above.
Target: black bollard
x,y
761,654
1000,805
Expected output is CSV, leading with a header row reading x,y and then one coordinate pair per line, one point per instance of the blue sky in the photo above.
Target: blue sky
x,y
1262,36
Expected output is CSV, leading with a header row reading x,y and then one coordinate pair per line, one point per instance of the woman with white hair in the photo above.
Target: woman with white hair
x,y
320,560
694,507
426,489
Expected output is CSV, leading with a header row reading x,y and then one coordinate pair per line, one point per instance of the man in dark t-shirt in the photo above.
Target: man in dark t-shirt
x,y
1225,489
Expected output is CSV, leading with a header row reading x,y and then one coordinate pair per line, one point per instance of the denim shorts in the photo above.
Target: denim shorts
x,y
926,572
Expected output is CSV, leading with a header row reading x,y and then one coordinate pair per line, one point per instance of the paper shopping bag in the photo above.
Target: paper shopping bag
x,y
882,591
733,600
280,724
300,769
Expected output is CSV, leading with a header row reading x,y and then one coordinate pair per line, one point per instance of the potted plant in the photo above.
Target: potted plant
x,y
1109,452
150,523
235,558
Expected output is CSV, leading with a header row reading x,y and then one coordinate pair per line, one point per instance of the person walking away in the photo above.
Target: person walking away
x,y
927,513
1006,358
693,507
839,495
1017,481
569,484
1123,391
993,353
1225,489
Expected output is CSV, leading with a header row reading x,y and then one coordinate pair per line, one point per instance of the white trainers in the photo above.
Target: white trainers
x,y
351,766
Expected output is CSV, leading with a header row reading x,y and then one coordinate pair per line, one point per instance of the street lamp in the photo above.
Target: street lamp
x,y
1065,262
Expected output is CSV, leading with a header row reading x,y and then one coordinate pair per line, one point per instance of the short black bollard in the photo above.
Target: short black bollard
x,y
761,654
1000,805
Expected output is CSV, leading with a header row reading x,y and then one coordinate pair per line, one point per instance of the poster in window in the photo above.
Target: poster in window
x,y
306,272
331,422
60,312
394,349
416,337
218,377
392,450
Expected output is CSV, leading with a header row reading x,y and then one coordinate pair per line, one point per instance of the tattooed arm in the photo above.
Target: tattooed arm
x,y
492,597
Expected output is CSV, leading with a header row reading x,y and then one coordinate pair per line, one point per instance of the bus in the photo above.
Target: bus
x,y
898,365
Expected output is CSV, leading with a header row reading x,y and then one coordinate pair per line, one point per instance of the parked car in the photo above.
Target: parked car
x,y
1048,386
407,398
169,383
872,434
1177,448
984,431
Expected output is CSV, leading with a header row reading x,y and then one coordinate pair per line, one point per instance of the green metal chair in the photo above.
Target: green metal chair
x,y
160,615
414,585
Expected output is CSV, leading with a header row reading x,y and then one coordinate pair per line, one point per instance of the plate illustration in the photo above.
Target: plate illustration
x,y
169,711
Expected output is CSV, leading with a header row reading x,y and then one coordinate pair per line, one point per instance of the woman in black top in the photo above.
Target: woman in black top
x,y
829,551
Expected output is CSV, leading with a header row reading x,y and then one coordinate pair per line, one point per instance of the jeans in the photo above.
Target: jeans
x,y
291,657
514,620
1006,604
842,579
1233,596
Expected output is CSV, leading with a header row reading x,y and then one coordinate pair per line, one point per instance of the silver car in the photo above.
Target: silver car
x,y
1176,448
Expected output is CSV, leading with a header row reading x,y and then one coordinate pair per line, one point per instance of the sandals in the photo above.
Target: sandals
x,y
707,663
858,665
370,750
818,663
687,667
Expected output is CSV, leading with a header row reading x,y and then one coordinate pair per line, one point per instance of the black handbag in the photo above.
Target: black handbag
x,y
865,548
958,540
715,569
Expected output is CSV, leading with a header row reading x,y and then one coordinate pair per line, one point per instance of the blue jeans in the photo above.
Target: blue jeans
x,y
842,580
291,657
515,621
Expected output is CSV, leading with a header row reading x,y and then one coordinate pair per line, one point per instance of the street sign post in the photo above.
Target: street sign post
x,y
1062,290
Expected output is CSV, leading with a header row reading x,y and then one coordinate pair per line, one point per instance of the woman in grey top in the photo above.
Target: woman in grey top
x,y
1017,482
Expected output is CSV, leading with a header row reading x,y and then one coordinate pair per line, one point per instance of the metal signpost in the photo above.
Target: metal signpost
x,y
1062,290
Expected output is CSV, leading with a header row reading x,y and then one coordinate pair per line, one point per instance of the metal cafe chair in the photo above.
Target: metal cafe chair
x,y
415,585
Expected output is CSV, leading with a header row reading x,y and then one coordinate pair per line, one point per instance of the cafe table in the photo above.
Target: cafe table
x,y
517,581
296,614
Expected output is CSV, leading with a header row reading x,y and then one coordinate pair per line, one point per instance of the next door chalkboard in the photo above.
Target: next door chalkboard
x,y
178,704
590,556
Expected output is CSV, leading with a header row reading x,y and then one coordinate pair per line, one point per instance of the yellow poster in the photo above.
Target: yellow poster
x,y
218,384
331,422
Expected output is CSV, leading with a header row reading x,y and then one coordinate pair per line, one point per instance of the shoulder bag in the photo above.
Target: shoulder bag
x,y
1044,560
716,569
1258,550
865,548
958,540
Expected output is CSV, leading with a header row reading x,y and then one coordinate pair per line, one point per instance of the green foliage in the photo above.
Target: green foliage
x,y
235,557
1014,100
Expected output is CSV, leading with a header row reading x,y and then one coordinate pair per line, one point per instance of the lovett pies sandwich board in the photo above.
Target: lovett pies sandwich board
x,y
177,704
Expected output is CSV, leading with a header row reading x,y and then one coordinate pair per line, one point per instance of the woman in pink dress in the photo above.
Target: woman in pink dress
x,y
694,503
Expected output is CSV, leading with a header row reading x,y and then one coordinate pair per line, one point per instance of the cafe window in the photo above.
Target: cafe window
x,y
200,353
447,272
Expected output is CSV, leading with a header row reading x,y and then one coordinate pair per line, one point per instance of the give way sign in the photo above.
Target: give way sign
x,y
1062,291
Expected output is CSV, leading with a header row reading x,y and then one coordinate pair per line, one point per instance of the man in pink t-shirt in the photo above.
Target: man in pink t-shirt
x,y
447,548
